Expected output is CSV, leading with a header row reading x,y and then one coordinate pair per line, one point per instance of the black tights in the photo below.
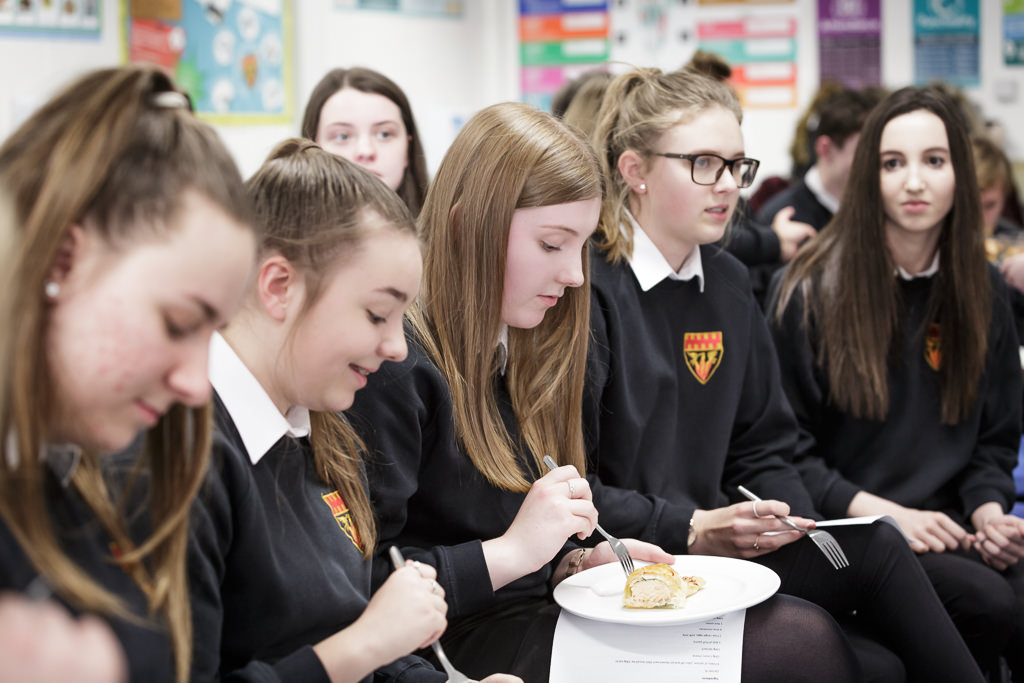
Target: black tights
x,y
515,638
894,601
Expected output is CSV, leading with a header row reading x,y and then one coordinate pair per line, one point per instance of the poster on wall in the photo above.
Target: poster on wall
x,y
1013,32
231,56
659,33
946,42
762,50
81,18
558,41
430,8
850,42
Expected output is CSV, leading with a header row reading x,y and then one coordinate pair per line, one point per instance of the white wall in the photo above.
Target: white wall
x,y
451,67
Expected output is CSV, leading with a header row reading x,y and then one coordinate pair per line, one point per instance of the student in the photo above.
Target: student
x,y
683,398
900,360
815,196
134,245
995,183
457,435
364,116
281,571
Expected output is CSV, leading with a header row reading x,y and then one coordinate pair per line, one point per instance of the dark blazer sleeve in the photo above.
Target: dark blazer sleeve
x,y
807,393
765,431
210,542
400,416
624,512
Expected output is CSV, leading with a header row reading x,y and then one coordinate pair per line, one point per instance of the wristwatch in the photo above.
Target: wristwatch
x,y
691,537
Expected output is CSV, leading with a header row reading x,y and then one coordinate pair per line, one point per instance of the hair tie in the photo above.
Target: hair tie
x,y
170,99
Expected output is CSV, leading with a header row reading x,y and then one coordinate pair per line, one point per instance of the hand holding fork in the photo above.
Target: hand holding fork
x,y
825,541
618,547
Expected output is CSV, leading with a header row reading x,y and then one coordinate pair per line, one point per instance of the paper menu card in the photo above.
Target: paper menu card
x,y
585,649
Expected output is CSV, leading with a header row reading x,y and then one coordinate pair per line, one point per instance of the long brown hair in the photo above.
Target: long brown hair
x,y
115,152
852,299
414,184
314,207
637,109
508,156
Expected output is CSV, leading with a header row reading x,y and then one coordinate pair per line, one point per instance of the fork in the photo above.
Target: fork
x,y
618,547
825,541
454,675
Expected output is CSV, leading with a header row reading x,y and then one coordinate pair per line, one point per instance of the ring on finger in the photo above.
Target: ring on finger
x,y
572,489
754,505
756,549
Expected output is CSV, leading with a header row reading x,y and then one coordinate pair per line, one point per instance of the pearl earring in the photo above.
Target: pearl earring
x,y
51,289
642,188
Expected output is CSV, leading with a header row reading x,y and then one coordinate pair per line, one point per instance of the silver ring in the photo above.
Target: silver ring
x,y
572,489
756,549
754,505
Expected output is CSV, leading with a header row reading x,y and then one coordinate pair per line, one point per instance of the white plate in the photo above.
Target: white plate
x,y
731,585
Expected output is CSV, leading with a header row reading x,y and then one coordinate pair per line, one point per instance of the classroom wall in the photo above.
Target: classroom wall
x,y
451,67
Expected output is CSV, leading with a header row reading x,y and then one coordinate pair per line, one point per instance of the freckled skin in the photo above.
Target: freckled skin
x,y
113,362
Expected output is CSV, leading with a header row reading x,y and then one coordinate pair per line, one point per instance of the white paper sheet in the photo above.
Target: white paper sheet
x,y
587,650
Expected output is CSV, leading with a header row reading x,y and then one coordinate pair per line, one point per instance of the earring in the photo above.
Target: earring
x,y
51,289
642,188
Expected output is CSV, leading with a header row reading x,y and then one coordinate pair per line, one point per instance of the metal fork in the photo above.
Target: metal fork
x,y
825,541
454,675
618,547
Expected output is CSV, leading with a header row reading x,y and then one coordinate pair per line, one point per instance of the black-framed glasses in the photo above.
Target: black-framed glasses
x,y
706,169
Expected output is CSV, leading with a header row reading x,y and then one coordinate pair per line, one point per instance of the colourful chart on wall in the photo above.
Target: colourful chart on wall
x,y
559,40
1013,32
946,42
761,48
231,56
850,42
52,17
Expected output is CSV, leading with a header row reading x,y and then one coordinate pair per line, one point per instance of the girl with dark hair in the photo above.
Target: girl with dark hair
x,y
364,116
900,359
134,244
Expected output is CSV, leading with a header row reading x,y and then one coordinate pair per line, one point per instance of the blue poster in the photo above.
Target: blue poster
x,y
232,58
946,40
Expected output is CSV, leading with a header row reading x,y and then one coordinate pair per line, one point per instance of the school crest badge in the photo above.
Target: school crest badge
x,y
343,516
932,351
703,352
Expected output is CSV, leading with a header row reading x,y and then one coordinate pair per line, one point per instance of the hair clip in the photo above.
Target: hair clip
x,y
170,99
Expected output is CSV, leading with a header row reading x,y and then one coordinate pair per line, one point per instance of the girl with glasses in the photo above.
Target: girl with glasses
x,y
683,400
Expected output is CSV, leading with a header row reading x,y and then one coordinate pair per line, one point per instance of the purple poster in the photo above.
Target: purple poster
x,y
849,42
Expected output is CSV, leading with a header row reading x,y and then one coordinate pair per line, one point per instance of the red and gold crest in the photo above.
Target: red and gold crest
x,y
343,516
932,350
703,352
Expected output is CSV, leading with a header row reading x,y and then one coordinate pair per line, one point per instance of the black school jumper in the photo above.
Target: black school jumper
x,y
434,504
910,457
146,642
684,403
273,567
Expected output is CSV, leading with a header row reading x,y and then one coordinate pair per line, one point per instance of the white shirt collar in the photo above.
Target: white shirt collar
x,y
812,179
257,419
927,272
650,266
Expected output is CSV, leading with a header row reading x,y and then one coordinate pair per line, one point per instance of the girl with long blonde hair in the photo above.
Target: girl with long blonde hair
x,y
134,243
456,433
